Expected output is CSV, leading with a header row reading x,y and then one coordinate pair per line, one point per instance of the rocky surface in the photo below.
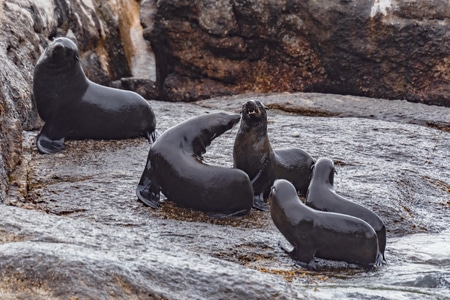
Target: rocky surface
x,y
396,49
111,44
72,226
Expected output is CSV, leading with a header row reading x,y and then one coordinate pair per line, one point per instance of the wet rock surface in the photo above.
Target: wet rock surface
x,y
72,226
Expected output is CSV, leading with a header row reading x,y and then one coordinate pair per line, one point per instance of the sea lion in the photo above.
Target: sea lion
x,y
253,153
174,167
320,234
73,107
321,196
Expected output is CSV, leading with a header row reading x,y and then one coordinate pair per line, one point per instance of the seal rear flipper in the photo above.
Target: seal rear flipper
x,y
238,213
46,145
259,204
378,262
152,136
149,195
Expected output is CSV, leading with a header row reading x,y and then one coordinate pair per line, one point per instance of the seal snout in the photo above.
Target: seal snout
x,y
62,48
253,111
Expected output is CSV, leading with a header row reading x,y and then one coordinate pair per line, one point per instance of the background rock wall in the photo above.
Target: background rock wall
x,y
395,49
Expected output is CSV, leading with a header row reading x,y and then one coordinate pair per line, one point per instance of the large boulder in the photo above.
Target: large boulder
x,y
108,34
395,49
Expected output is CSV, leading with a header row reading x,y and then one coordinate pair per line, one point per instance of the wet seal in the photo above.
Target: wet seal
x,y
253,153
320,234
73,107
322,196
175,168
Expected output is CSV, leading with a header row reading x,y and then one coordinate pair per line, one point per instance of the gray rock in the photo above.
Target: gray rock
x,y
74,228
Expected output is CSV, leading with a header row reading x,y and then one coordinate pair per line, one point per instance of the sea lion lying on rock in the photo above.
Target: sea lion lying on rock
x,y
174,167
73,107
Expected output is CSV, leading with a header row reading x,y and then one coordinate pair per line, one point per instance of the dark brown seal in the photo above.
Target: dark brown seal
x,y
321,234
253,153
175,167
73,107
321,196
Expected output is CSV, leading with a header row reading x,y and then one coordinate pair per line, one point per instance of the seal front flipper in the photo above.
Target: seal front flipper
x,y
258,199
46,145
301,259
311,265
304,257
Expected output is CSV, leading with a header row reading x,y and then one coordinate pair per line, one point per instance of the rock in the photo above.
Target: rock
x,y
26,28
147,88
70,225
386,49
76,229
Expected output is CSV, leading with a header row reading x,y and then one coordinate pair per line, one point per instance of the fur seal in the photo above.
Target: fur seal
x,y
253,153
321,234
321,196
73,107
174,167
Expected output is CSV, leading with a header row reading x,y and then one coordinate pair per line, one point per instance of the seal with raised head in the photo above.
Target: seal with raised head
x,y
322,196
321,234
175,167
253,153
73,107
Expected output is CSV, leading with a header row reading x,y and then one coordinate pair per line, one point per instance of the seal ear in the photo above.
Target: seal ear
x,y
77,58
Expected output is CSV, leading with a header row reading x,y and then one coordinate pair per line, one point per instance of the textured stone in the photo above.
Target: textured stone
x,y
78,231
395,49
26,28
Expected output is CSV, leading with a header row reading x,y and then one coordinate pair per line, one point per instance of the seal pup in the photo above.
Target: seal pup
x,y
174,167
322,196
253,153
73,107
320,234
